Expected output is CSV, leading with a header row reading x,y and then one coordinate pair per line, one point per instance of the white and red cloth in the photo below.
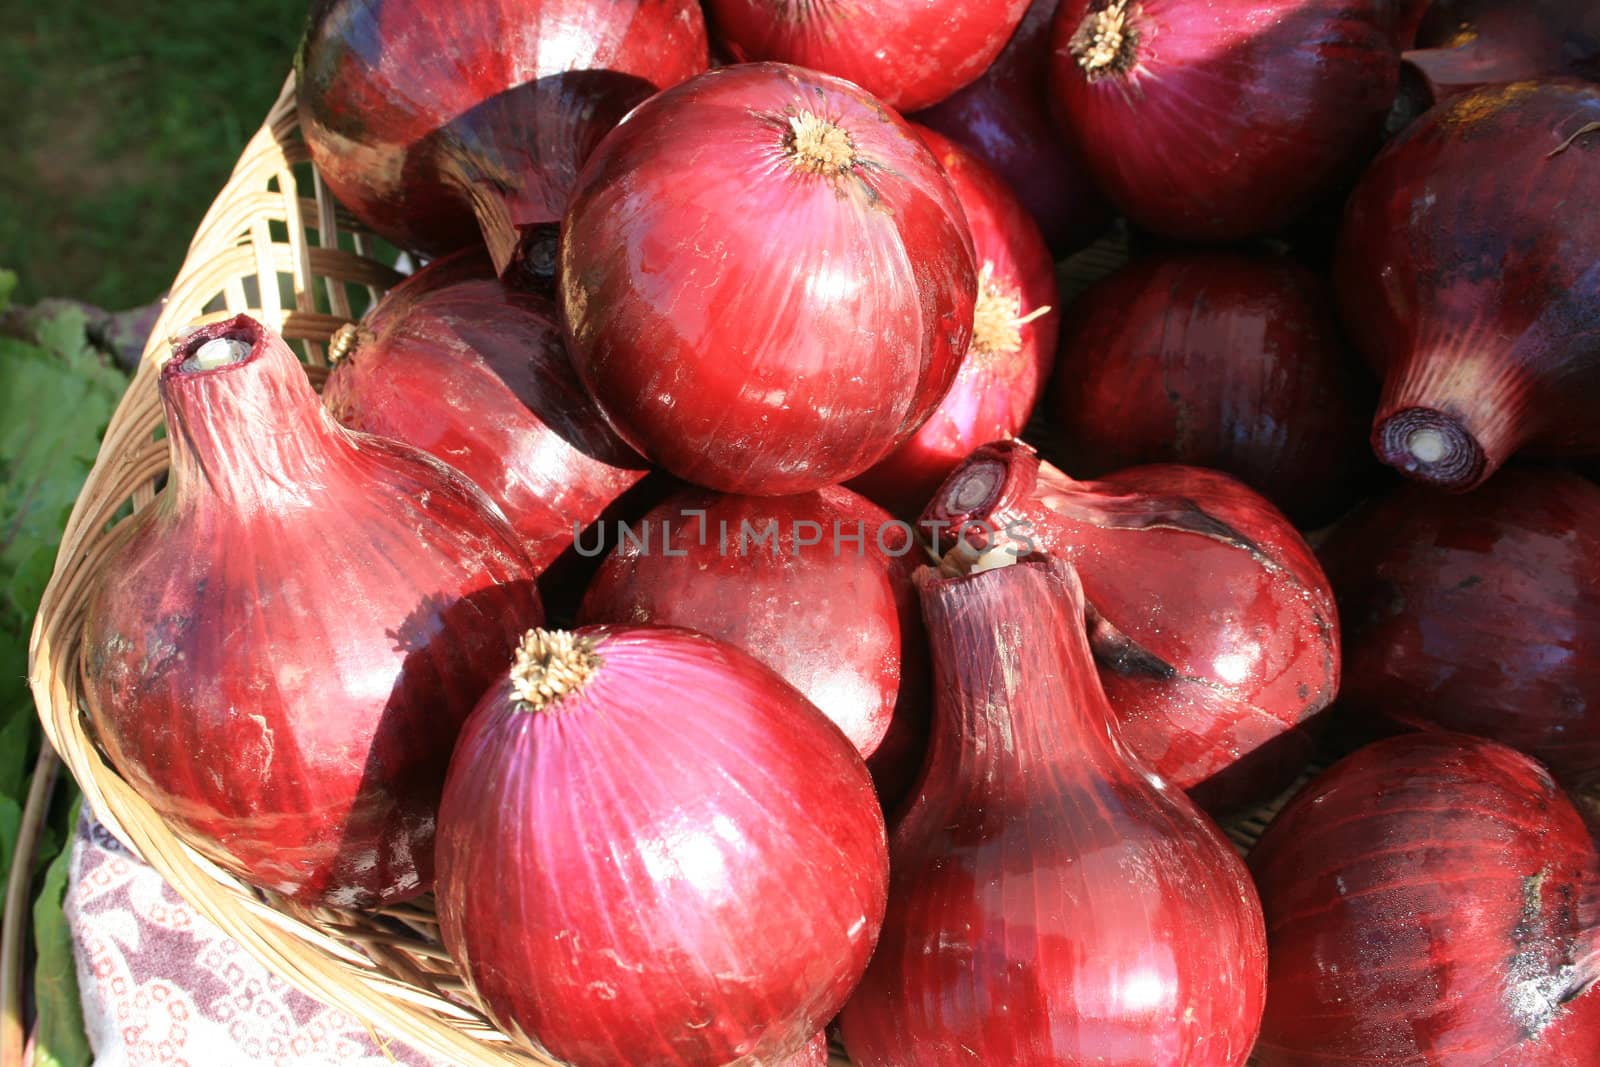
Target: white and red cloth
x,y
162,987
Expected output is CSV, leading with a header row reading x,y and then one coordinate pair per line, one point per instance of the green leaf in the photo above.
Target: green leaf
x,y
60,1040
10,826
8,285
56,397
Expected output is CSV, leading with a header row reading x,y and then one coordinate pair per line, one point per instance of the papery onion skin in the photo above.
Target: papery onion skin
x,y
287,641
475,373
1471,286
1467,44
681,862
1228,119
1430,901
1223,359
1013,346
813,1055
1478,613
768,280
806,584
441,123
1003,120
908,53
1212,621
1052,902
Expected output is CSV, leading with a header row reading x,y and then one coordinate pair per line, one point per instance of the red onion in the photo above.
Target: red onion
x,y
768,280
1478,613
1003,119
908,53
1052,902
1013,345
1467,44
654,850
288,641
443,122
475,373
1220,359
1432,899
1472,286
816,586
1212,622
1226,119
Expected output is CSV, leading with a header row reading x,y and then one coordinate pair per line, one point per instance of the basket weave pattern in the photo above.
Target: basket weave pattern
x,y
268,249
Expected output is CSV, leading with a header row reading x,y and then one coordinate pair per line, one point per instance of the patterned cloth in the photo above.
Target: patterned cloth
x,y
162,986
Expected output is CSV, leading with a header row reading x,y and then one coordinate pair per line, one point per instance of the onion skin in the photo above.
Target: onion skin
x,y
291,635
1296,90
836,619
908,53
1212,622
1016,933
1431,902
1220,359
813,1055
1009,359
1473,294
1003,120
475,373
699,862
1468,44
440,124
735,371
1478,613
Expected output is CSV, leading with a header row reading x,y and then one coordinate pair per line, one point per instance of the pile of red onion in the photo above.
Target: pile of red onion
x,y
864,712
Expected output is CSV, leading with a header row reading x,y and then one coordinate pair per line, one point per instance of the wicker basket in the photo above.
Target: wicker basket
x,y
303,266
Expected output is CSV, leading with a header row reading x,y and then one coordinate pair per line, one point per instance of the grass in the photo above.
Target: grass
x,y
122,120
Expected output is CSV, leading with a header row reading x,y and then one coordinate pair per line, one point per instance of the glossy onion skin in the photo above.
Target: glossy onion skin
x,y
1236,115
998,384
475,373
1213,623
1471,286
837,619
681,864
751,327
1430,902
1478,613
420,112
1052,903
1221,359
1467,44
1003,120
290,637
907,53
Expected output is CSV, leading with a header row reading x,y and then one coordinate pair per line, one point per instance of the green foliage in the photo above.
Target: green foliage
x,y
123,118
56,396
60,1040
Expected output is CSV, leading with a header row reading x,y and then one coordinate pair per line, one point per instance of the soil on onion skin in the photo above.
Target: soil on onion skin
x,y
122,119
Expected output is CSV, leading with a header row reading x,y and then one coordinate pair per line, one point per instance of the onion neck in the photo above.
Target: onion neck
x,y
987,495
1106,43
1018,691
245,425
1450,419
550,667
